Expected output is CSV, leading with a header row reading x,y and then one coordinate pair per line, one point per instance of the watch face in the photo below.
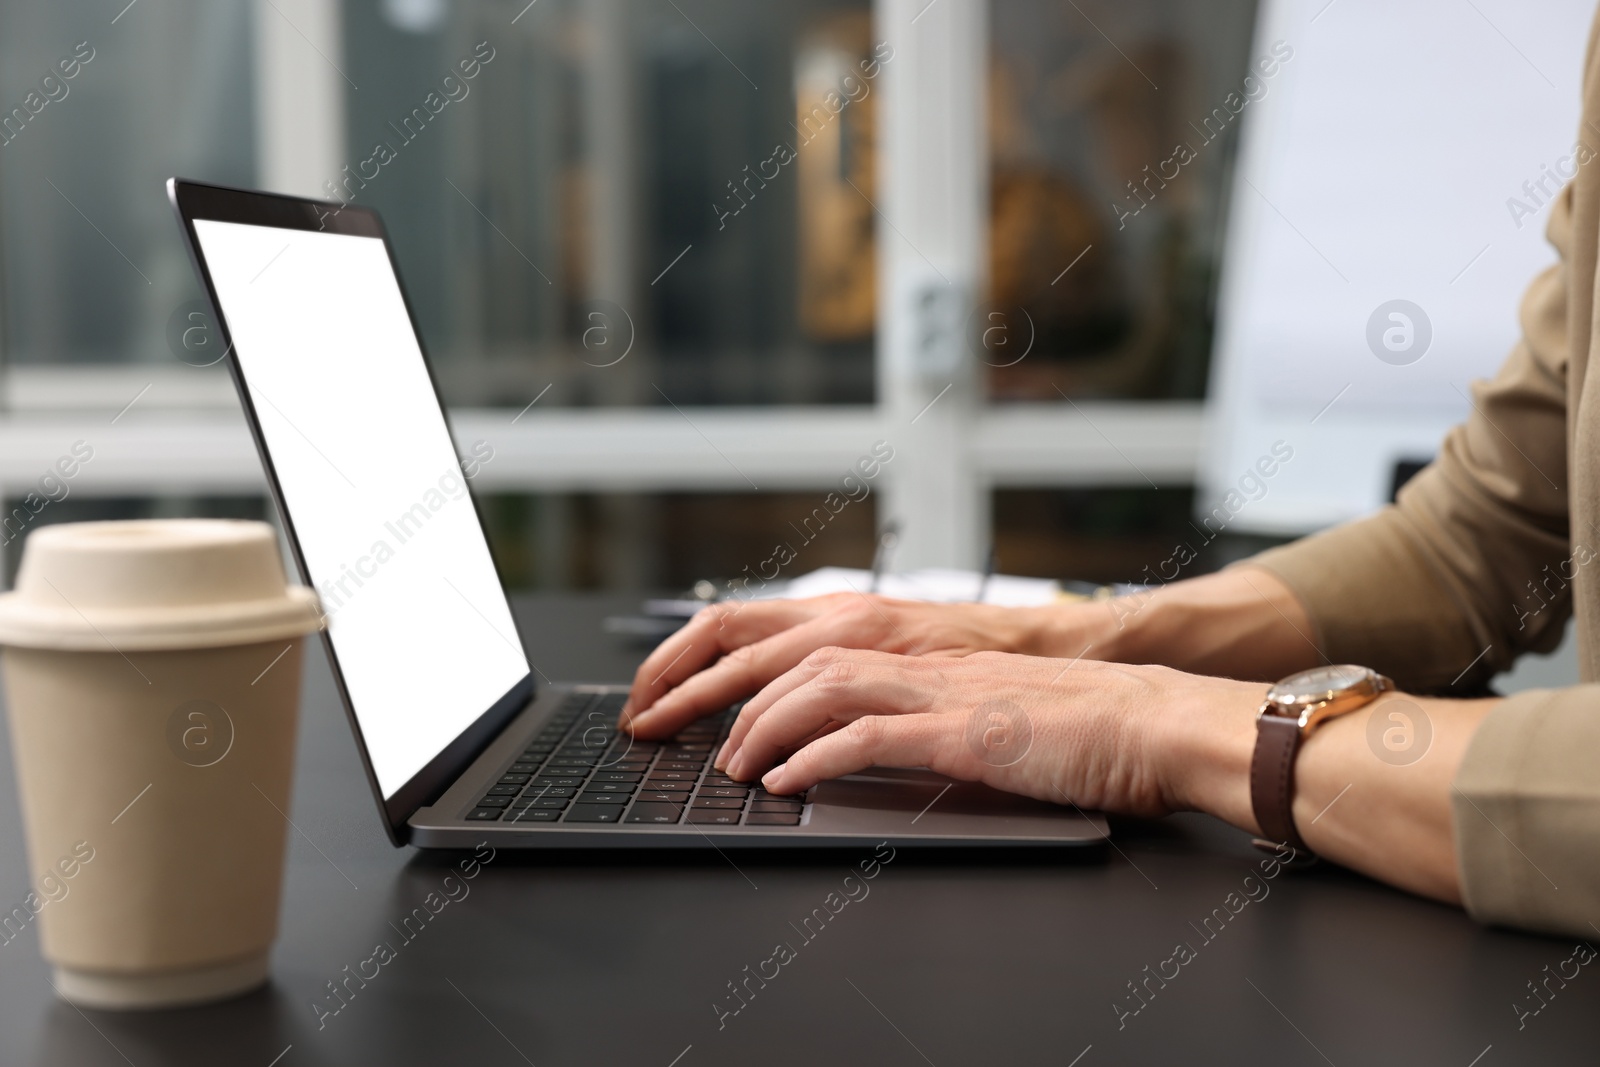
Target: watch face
x,y
1319,683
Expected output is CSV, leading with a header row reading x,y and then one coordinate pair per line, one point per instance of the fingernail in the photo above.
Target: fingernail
x,y
771,778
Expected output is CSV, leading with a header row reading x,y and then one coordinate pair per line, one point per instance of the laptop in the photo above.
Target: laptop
x,y
460,741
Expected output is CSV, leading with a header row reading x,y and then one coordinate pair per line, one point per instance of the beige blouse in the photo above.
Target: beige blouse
x,y
1485,556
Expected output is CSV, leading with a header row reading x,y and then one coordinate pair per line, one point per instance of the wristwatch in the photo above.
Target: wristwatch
x,y
1293,708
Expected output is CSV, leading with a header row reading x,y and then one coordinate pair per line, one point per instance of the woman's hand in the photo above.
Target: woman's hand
x,y
1101,735
1125,739
731,650
1243,622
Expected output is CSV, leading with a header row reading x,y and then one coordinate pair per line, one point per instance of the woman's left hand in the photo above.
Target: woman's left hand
x,y
1110,736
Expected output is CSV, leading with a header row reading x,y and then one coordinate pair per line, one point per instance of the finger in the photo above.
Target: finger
x,y
814,664
827,729
711,633
871,741
750,667
843,692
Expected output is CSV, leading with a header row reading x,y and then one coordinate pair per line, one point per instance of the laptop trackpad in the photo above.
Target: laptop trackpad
x,y
888,802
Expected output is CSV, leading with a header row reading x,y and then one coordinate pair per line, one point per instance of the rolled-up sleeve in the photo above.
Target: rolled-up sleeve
x,y
1526,813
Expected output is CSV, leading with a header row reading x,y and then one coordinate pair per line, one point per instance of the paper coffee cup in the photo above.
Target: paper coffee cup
x,y
152,674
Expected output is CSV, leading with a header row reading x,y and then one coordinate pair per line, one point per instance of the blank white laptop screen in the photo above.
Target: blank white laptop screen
x,y
372,483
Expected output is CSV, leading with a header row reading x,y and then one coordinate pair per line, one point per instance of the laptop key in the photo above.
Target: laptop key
x,y
610,787
655,813
514,779
722,791
718,802
604,798
705,817
768,807
504,790
614,776
533,815
594,813
484,814
495,802
678,765
538,789
556,781
674,776
653,796
771,818
669,787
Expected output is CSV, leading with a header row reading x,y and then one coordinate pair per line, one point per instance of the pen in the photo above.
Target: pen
x,y
988,572
880,559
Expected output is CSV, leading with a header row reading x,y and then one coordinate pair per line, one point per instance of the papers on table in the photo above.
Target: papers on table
x,y
938,584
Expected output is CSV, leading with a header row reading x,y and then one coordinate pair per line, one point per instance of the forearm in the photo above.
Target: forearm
x,y
1393,820
1360,802
1239,623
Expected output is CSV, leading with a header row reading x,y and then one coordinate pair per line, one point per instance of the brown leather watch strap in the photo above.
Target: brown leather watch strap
x,y
1272,779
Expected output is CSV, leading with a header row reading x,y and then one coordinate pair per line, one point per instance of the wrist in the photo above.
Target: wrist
x,y
1090,629
1243,622
1046,631
1203,748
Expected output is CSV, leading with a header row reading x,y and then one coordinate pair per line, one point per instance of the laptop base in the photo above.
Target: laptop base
x,y
902,807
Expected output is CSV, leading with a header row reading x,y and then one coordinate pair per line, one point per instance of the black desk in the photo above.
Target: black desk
x,y
586,960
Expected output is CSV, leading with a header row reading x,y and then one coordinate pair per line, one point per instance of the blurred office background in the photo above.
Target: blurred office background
x,y
674,335
569,208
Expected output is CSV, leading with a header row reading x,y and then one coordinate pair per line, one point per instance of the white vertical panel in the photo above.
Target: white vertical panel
x,y
300,91
931,204
612,129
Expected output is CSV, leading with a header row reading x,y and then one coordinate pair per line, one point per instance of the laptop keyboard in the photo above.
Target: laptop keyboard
x,y
580,769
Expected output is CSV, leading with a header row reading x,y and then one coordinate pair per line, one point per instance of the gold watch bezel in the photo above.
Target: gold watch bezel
x,y
1302,698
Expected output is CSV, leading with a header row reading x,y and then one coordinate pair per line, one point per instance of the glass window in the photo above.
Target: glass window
x,y
625,203
1112,127
98,114
629,203
667,540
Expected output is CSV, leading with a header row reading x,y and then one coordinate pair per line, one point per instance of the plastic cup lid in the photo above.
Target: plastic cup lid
x,y
153,584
